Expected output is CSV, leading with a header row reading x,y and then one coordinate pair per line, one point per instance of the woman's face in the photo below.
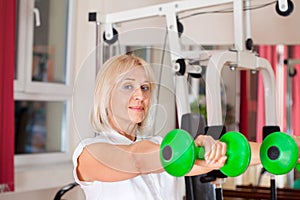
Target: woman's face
x,y
130,98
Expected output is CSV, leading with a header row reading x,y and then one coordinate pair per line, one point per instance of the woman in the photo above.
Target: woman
x,y
122,161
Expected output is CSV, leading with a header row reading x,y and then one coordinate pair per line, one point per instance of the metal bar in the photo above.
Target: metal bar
x,y
270,91
158,10
213,86
238,25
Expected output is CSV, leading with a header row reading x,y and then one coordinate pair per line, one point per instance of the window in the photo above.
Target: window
x,y
39,125
43,81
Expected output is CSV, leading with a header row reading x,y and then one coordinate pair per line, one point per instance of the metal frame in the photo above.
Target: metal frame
x,y
239,58
290,68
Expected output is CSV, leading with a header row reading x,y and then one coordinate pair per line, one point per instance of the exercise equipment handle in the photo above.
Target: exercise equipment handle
x,y
200,152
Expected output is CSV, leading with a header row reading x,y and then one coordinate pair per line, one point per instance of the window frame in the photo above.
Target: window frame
x,y
26,89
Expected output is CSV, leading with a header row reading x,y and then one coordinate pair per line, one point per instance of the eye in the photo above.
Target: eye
x,y
128,86
145,88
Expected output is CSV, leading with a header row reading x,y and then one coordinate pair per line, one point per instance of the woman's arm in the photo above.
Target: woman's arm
x,y
108,163
255,155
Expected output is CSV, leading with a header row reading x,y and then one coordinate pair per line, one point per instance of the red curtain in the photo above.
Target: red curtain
x,y
7,64
296,93
250,109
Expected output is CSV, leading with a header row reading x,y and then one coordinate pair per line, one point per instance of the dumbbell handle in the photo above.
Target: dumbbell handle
x,y
200,152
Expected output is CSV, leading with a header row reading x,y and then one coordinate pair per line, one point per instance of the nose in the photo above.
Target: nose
x,y
139,94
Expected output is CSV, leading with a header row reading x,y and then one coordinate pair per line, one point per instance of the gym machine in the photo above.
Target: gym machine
x,y
241,57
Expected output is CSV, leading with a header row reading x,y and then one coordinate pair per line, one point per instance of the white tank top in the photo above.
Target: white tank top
x,y
159,186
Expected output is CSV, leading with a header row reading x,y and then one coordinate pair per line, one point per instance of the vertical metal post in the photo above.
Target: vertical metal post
x,y
238,25
273,188
289,103
98,46
218,189
289,124
94,17
247,20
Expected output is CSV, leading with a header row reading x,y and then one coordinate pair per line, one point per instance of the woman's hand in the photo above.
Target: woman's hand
x,y
215,152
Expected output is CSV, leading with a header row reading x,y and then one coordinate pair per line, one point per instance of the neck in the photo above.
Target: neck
x,y
129,136
128,131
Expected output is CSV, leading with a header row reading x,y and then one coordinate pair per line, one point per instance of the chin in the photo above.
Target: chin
x,y
137,119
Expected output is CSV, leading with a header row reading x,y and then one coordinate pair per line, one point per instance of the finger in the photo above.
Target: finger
x,y
221,162
216,152
220,151
210,153
224,148
217,165
204,140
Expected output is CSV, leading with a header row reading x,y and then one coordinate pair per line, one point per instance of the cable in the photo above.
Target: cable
x,y
162,63
260,6
160,72
227,10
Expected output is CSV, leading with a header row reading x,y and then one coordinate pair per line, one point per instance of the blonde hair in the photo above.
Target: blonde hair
x,y
107,77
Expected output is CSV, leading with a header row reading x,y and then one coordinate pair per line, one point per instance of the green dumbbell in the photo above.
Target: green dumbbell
x,y
178,153
279,153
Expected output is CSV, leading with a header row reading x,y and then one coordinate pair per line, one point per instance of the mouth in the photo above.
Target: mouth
x,y
137,108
